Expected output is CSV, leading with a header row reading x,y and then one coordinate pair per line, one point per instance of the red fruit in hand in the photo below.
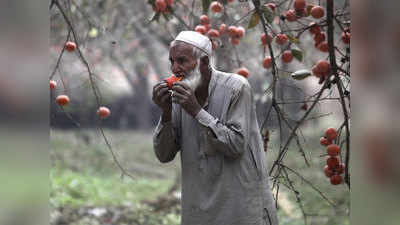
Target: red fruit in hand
x,y
53,84
216,7
103,112
328,171
62,100
70,46
267,62
332,162
333,150
336,179
331,133
324,141
243,71
171,80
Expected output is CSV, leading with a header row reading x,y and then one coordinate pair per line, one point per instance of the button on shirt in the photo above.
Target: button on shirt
x,y
224,180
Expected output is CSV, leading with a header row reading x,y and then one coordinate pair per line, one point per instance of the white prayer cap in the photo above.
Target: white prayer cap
x,y
196,39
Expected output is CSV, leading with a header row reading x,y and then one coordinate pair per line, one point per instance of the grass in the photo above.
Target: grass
x,y
76,189
84,174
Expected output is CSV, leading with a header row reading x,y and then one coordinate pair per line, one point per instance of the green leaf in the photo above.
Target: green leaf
x,y
206,5
268,13
301,74
253,20
297,54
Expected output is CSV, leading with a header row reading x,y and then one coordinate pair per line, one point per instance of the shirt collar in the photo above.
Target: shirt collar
x,y
211,85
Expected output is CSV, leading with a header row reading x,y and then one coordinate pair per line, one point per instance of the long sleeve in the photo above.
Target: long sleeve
x,y
230,138
165,140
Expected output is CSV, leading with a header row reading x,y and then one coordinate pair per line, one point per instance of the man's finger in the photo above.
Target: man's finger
x,y
163,91
159,85
165,98
180,89
183,85
178,95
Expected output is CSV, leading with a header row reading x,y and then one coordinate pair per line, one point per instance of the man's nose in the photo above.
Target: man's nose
x,y
175,67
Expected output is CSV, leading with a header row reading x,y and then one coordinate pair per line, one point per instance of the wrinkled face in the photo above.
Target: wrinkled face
x,y
182,60
185,64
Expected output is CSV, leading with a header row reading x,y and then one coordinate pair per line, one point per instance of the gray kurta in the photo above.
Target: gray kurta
x,y
224,179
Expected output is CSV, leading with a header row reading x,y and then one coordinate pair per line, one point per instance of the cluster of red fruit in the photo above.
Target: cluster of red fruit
x,y
301,9
319,37
162,5
334,168
280,39
63,100
204,29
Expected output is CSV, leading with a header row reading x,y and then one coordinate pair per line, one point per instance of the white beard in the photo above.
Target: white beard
x,y
193,79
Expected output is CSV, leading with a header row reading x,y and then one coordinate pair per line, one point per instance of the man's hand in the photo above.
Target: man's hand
x,y
185,97
162,97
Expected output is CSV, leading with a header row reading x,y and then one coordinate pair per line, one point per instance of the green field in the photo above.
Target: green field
x,y
87,188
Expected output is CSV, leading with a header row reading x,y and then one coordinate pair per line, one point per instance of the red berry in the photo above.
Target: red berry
x,y
216,7
331,133
70,46
333,150
281,39
324,141
53,84
332,162
336,179
264,39
287,56
204,20
328,171
62,100
267,62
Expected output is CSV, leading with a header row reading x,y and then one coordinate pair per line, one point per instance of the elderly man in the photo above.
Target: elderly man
x,y
210,119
